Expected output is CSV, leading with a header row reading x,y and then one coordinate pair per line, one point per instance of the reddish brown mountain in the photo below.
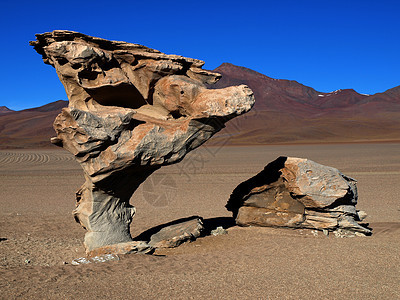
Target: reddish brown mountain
x,y
4,110
289,112
285,112
29,128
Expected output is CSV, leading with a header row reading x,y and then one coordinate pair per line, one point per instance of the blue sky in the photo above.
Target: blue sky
x,y
325,44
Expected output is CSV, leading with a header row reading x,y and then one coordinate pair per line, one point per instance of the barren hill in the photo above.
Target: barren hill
x,y
29,128
289,112
4,110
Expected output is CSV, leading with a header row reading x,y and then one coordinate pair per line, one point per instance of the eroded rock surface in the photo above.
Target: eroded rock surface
x,y
131,110
298,193
176,234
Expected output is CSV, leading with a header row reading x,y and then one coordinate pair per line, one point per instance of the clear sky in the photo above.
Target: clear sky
x,y
325,44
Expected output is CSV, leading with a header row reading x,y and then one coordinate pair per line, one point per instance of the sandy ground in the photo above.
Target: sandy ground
x,y
38,233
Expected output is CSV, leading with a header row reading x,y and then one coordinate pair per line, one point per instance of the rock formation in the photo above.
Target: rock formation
x,y
298,193
131,110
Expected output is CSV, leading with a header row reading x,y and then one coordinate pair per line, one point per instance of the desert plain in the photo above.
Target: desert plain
x,y
39,237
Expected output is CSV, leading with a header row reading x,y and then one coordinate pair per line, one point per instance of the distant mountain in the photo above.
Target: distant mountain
x,y
53,106
289,112
285,112
29,128
290,96
4,110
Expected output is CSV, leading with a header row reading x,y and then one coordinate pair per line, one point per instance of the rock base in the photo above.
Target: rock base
x,y
123,248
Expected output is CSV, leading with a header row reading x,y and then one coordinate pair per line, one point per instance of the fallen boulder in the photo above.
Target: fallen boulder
x,y
131,110
298,193
174,235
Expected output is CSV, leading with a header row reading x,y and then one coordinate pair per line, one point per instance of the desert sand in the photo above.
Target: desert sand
x,y
39,235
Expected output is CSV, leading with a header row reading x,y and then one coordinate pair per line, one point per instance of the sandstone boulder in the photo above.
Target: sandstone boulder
x,y
298,193
131,110
174,235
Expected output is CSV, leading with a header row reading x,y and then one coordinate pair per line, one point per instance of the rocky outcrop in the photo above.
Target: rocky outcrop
x,y
131,110
298,193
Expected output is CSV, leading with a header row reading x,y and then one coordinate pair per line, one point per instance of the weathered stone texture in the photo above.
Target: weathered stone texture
x,y
131,110
298,193
176,234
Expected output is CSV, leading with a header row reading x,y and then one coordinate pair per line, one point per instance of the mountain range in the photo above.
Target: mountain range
x,y
289,112
285,112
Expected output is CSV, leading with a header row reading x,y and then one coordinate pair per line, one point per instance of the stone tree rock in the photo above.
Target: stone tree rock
x,y
131,110
298,193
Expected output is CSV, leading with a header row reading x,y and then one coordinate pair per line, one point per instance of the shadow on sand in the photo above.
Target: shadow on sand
x,y
209,225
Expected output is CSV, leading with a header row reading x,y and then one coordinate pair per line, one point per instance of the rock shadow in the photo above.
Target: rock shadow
x,y
209,225
212,223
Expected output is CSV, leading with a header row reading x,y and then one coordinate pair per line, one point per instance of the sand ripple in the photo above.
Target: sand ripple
x,y
32,158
